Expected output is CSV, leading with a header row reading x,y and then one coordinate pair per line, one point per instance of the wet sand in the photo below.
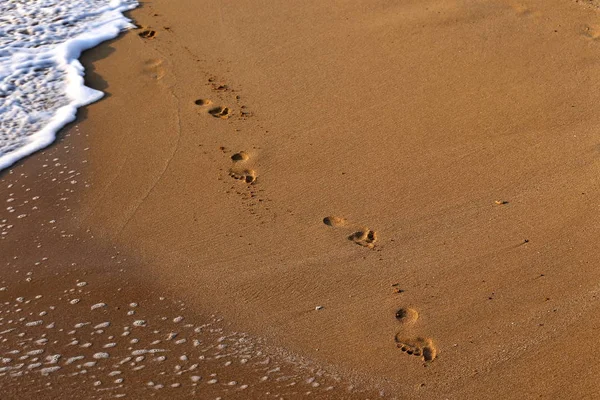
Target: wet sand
x,y
81,319
401,194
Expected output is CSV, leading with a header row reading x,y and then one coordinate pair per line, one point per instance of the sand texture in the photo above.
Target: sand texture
x,y
402,194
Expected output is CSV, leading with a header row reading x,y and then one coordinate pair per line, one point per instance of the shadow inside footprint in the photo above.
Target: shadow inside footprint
x,y
364,237
147,34
219,112
419,347
407,315
202,102
241,156
334,221
248,176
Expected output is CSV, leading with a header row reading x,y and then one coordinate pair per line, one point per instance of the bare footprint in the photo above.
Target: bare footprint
x,y
592,32
334,221
219,112
407,316
523,10
241,156
247,175
418,346
153,62
364,237
220,87
147,34
154,69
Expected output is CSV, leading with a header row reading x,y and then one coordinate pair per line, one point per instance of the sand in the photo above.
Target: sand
x,y
400,194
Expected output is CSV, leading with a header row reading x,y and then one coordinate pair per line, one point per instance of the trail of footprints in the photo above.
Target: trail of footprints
x,y
414,345
241,167
421,347
113,350
68,335
418,346
239,170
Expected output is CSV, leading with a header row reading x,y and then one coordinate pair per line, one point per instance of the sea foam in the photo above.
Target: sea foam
x,y
41,79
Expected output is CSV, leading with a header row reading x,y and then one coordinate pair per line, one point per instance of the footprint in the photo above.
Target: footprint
x,y
219,112
364,237
419,347
203,102
241,156
154,69
334,221
147,34
592,32
153,62
220,87
407,316
247,175
523,10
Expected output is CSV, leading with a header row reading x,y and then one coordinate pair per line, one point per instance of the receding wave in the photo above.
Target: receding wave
x,y
41,79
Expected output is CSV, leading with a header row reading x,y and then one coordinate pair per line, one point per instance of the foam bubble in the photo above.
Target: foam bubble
x,y
49,370
41,79
98,305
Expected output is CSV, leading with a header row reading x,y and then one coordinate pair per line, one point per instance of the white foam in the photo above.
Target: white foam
x,y
71,360
49,370
41,79
98,305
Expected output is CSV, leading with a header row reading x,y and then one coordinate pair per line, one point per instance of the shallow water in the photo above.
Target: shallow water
x,y
41,80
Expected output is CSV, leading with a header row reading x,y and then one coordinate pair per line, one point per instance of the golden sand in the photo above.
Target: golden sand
x,y
305,170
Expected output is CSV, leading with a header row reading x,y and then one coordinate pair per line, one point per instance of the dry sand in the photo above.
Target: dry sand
x,y
424,171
